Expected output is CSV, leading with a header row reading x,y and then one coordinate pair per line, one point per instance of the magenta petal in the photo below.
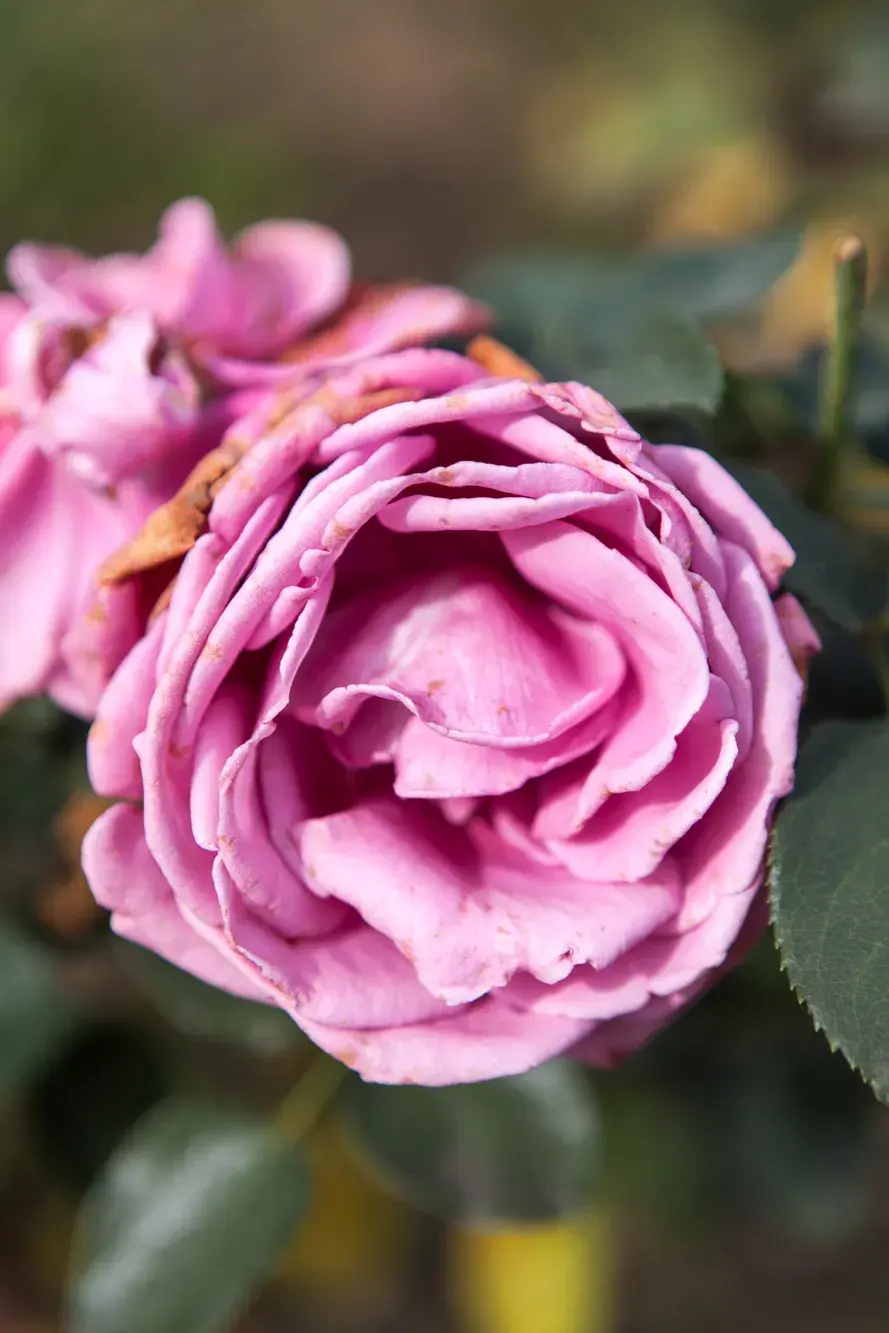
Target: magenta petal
x,y
728,508
430,765
799,633
54,535
114,768
292,275
467,920
629,835
661,646
38,272
115,414
723,854
469,655
124,878
490,1039
351,978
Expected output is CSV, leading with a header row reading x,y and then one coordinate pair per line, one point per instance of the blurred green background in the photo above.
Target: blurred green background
x,y
747,1170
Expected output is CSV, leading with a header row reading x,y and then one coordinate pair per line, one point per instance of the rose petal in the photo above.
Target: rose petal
x,y
727,506
124,878
470,656
670,668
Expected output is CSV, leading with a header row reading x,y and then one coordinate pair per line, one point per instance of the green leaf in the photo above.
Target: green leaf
x,y
659,361
514,1149
187,1220
36,1016
199,1010
713,282
85,1102
704,283
830,573
830,890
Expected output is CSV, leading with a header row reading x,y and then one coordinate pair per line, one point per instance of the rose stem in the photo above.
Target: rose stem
x,y
850,281
309,1097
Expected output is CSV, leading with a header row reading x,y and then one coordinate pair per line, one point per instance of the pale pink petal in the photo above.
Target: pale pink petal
x,y
55,533
115,413
384,320
300,273
42,275
799,633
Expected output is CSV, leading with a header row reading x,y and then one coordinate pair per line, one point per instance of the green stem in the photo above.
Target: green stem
x,y
306,1102
850,258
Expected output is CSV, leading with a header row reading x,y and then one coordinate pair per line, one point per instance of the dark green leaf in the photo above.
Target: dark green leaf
x,y
82,1106
545,290
792,1127
189,1217
35,1014
712,282
522,1148
830,890
843,680
199,1010
659,361
830,573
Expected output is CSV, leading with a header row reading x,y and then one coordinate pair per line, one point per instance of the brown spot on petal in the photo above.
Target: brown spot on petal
x,y
497,359
345,411
433,686
171,531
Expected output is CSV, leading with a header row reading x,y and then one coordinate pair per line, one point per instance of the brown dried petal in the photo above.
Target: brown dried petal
x,y
497,359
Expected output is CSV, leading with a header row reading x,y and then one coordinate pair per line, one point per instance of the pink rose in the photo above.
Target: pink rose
x,y
459,731
118,374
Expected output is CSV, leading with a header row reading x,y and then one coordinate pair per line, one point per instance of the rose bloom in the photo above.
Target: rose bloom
x,y
457,731
118,374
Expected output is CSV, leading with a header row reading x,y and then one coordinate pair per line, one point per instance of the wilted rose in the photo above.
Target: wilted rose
x,y
119,373
459,731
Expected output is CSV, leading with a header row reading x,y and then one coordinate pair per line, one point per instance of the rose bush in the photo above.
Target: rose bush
x,y
117,374
457,731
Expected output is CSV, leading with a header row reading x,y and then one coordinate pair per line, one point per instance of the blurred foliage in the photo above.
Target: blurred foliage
x,y
573,135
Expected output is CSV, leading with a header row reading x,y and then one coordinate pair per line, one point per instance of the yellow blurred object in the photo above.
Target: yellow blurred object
x,y
51,1227
551,1278
354,1243
625,121
65,905
865,501
799,310
734,189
